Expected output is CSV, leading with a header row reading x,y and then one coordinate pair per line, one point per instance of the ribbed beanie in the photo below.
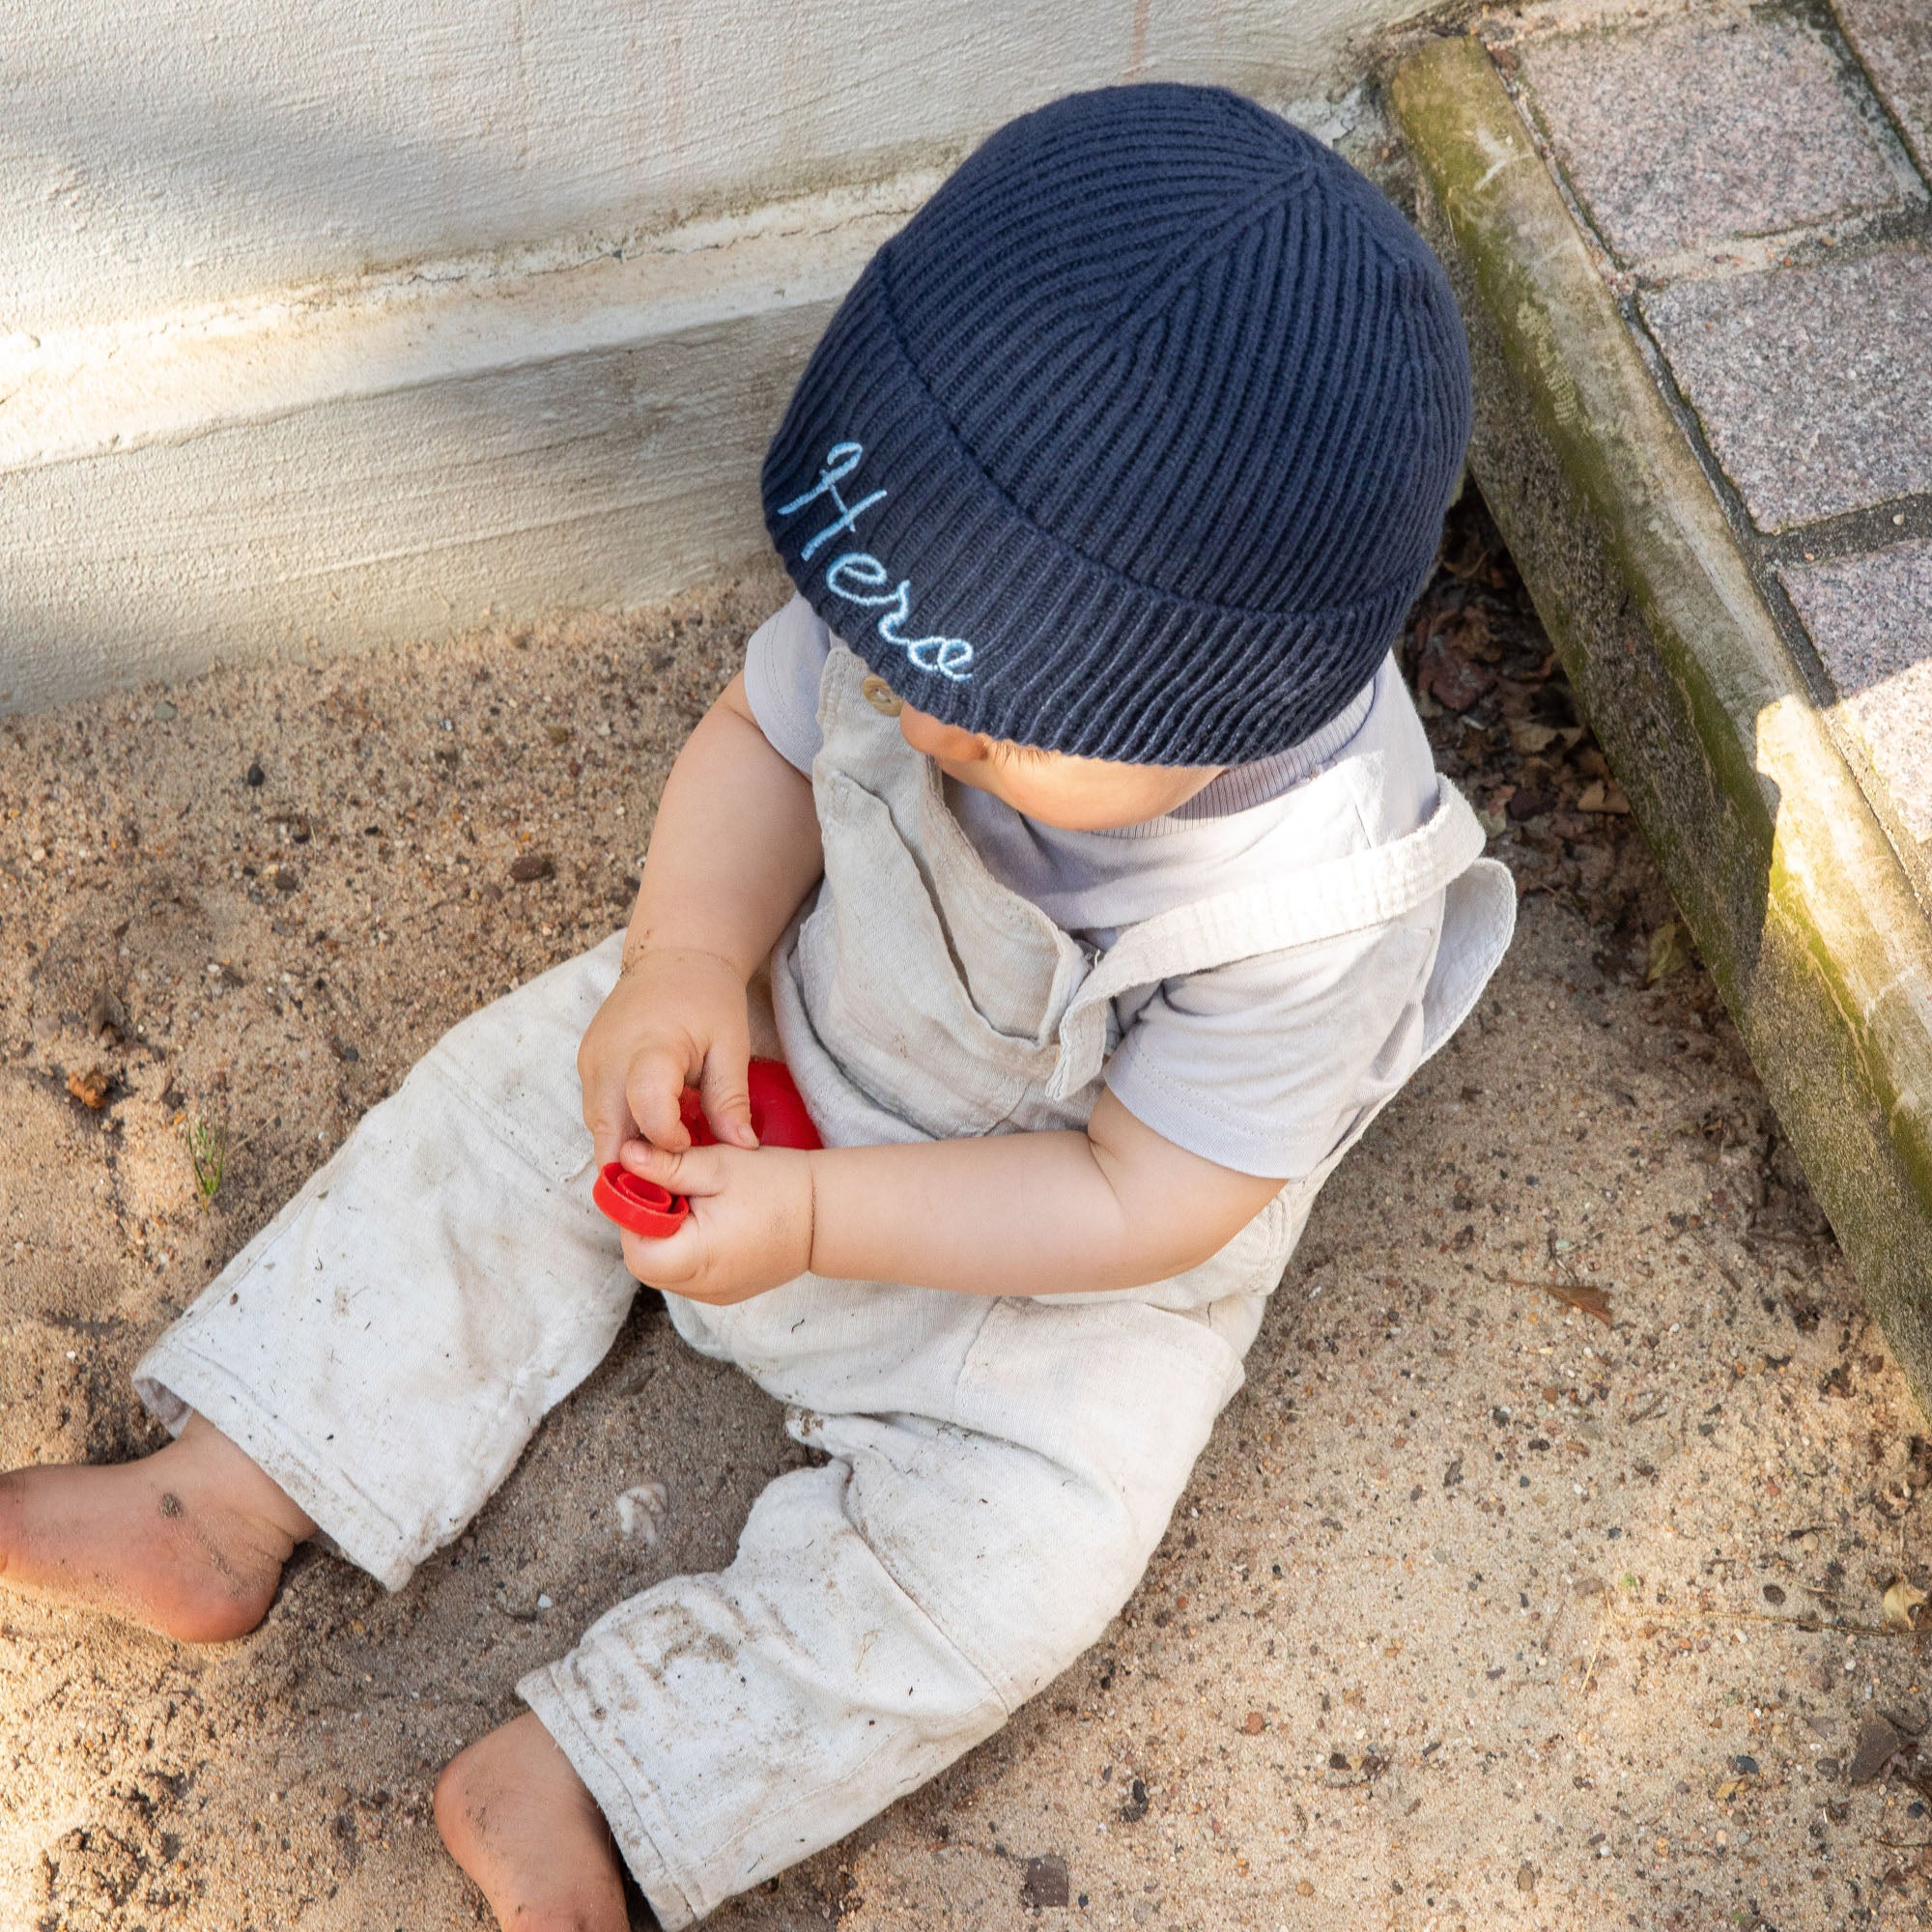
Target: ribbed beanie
x,y
1136,440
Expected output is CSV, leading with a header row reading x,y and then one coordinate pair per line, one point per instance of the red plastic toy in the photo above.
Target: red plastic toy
x,y
779,1118
642,1206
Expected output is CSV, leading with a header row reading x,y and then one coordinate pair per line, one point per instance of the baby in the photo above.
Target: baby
x,y
1107,891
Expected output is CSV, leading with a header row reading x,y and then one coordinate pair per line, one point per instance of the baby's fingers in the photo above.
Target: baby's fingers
x,y
669,1261
726,1094
653,1087
695,1172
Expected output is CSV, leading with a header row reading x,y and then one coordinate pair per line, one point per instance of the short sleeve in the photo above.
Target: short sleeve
x,y
1266,1064
784,663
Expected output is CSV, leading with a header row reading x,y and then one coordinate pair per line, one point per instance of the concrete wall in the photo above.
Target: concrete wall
x,y
337,325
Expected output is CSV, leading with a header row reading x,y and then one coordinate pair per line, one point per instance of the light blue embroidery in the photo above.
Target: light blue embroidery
x,y
858,575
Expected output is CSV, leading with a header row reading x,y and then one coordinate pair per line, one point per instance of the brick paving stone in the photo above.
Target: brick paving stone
x,y
1814,385
1893,38
1683,135
1871,619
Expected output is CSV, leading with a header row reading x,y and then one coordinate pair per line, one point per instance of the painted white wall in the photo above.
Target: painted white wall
x,y
159,154
332,473
220,217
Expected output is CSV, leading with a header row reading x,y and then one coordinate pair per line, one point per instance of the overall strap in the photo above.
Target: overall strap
x,y
1346,894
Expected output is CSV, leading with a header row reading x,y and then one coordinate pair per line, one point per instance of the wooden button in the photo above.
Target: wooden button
x,y
881,696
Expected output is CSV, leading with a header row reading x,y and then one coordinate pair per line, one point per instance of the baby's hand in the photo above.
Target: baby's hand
x,y
675,1019
750,1226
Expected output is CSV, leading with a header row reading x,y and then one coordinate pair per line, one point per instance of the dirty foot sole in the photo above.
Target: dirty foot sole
x,y
158,1541
521,1822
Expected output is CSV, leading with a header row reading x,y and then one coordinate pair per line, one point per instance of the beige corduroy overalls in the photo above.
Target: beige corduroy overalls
x,y
999,1470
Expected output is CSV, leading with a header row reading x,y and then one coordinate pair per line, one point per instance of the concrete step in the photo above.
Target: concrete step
x,y
1691,255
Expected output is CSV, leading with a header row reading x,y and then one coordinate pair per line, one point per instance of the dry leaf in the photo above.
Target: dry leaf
x,y
1900,1601
529,866
1604,796
1472,628
90,1089
1669,952
1530,738
1878,1744
1450,679
1578,1294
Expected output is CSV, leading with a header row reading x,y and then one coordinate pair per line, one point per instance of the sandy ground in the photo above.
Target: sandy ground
x,y
1479,1613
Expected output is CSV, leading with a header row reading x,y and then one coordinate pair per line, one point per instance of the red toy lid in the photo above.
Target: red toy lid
x,y
642,1206
777,1118
778,1111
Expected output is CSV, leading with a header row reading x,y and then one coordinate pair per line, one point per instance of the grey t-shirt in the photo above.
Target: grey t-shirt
x,y
1265,1064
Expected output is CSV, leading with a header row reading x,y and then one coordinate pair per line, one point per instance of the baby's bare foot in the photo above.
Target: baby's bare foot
x,y
190,1541
521,1822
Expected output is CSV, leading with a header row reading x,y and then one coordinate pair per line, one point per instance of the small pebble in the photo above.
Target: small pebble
x,y
1045,1882
255,774
638,1510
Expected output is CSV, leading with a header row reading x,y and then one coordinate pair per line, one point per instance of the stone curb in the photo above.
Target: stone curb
x,y
1784,874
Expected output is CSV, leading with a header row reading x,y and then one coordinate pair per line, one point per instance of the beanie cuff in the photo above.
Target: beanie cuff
x,y
895,536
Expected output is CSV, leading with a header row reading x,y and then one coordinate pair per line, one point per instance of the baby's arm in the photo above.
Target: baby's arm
x,y
1046,1213
1041,1213
734,850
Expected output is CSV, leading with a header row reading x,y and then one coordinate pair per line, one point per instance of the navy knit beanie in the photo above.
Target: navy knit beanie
x,y
1136,440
